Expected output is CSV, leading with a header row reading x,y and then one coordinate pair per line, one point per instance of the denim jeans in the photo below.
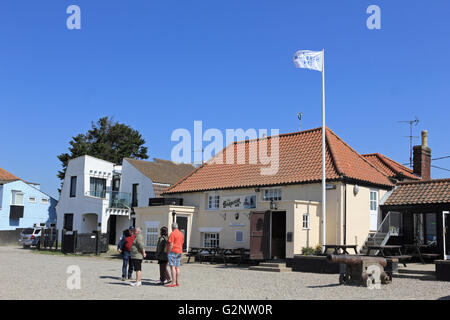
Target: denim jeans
x,y
127,262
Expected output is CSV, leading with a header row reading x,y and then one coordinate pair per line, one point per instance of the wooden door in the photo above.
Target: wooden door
x,y
260,235
183,227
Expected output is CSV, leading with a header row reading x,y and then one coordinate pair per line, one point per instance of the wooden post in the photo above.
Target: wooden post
x,y
75,236
56,240
63,236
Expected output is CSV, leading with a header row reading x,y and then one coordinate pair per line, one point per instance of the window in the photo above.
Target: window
x,y
134,195
97,187
239,236
373,200
68,221
213,202
32,199
44,201
73,186
210,240
306,221
272,194
17,198
151,232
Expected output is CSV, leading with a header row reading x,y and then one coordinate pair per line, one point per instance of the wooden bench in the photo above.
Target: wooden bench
x,y
193,252
400,258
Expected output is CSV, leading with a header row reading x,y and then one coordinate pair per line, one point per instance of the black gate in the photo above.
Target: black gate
x,y
94,242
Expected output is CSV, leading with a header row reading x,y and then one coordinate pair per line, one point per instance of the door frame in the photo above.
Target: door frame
x,y
444,236
270,230
186,236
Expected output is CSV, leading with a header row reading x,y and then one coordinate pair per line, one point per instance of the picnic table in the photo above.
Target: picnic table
x,y
343,247
390,252
215,252
417,248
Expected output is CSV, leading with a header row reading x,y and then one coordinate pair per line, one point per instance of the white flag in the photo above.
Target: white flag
x,y
309,59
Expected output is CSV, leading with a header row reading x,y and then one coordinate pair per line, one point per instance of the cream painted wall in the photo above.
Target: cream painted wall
x,y
297,200
358,213
163,214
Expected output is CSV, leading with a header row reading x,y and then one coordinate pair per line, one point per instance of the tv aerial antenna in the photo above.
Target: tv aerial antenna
x,y
411,137
299,116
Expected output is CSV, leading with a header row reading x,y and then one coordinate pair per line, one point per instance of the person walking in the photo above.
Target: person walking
x,y
124,247
161,255
174,249
137,255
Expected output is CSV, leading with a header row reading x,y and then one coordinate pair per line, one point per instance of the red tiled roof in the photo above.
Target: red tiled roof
x,y
420,192
390,167
7,176
300,161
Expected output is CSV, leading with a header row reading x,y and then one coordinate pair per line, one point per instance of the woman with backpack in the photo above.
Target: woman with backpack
x,y
124,247
161,255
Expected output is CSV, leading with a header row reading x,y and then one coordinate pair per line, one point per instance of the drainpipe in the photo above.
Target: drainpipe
x,y
345,213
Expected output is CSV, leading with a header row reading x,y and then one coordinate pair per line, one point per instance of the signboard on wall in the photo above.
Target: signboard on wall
x,y
238,202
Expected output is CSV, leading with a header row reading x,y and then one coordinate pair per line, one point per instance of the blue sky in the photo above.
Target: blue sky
x,y
160,65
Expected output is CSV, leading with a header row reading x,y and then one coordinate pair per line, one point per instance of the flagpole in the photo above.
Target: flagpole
x,y
324,210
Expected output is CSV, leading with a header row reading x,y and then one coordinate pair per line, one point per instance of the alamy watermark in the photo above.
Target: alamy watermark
x,y
73,282
374,20
262,149
74,20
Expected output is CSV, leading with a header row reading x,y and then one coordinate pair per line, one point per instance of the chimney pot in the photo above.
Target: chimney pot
x,y
424,138
422,158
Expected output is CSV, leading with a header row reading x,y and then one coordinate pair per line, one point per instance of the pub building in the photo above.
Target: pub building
x,y
233,205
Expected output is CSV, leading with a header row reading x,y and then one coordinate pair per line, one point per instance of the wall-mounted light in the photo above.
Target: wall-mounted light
x,y
223,215
174,216
273,205
236,215
355,189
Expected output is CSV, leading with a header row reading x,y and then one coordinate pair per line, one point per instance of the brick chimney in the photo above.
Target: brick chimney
x,y
422,158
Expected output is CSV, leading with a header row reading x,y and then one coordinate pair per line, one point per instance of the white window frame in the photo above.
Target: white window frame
x,y
371,201
274,194
13,197
152,233
236,236
213,197
305,222
32,199
213,237
45,200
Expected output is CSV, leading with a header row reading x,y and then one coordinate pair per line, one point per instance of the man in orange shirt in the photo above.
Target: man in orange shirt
x,y
174,250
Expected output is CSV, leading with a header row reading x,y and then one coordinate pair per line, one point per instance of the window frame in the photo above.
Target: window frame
x,y
305,221
275,194
211,239
13,197
242,236
73,187
45,200
216,201
373,201
154,234
31,201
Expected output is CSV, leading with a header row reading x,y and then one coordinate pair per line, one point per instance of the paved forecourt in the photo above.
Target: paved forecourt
x,y
25,274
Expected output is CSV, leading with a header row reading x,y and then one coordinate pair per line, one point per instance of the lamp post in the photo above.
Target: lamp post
x,y
174,216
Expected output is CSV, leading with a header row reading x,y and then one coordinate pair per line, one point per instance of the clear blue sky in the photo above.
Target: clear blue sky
x,y
160,65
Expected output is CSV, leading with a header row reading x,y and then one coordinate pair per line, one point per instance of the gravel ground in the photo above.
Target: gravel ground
x,y
30,275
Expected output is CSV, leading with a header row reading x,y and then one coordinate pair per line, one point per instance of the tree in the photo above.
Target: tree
x,y
107,140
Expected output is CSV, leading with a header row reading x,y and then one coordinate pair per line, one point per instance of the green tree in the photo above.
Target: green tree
x,y
107,140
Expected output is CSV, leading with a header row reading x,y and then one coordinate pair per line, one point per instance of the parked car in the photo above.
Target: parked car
x,y
30,237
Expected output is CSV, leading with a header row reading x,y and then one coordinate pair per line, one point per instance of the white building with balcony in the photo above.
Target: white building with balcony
x,y
98,195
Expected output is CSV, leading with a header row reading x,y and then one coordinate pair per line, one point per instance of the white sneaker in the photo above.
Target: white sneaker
x,y
136,284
